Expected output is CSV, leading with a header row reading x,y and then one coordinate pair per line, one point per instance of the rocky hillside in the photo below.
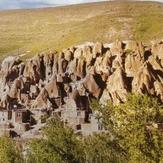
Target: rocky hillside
x,y
67,81
35,30
103,71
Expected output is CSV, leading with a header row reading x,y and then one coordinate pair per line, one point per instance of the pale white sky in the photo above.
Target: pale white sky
x,y
17,4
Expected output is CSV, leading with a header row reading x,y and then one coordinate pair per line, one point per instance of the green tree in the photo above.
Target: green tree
x,y
135,125
9,152
101,148
60,145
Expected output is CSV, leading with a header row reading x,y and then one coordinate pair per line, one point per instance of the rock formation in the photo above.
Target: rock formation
x,y
117,68
101,71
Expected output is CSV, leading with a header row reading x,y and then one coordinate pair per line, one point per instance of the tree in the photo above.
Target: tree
x,y
101,148
135,125
60,145
9,152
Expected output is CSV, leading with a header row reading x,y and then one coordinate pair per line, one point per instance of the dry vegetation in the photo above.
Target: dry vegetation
x,y
57,28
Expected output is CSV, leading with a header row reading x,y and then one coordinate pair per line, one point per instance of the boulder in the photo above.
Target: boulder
x,y
88,55
136,47
97,49
62,65
68,55
32,70
48,65
78,53
143,80
9,62
91,85
133,63
81,68
71,67
157,51
117,87
116,48
52,88
15,91
42,101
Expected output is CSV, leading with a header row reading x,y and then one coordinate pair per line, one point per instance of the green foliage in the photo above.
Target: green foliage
x,y
148,26
60,145
136,126
44,118
9,152
102,148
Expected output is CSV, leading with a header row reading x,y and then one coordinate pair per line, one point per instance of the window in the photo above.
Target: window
x,y
78,113
19,114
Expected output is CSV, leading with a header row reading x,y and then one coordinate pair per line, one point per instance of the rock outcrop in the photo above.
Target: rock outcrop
x,y
104,71
107,72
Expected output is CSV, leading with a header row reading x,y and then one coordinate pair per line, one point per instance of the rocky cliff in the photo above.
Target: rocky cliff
x,y
77,74
74,76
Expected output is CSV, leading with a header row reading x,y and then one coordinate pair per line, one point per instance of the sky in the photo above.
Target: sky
x,y
18,4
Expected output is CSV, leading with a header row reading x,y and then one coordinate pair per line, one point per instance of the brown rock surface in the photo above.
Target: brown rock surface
x,y
42,101
64,83
117,86
52,88
91,85
103,71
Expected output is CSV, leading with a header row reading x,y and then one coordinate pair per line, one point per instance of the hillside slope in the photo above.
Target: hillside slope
x,y
65,83
62,27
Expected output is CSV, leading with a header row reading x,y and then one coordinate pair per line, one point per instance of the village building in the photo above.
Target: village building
x,y
5,116
20,116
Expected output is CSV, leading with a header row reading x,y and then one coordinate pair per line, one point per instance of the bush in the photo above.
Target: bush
x,y
9,152
135,125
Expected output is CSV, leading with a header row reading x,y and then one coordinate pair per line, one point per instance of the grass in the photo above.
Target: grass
x,y
149,27
37,30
